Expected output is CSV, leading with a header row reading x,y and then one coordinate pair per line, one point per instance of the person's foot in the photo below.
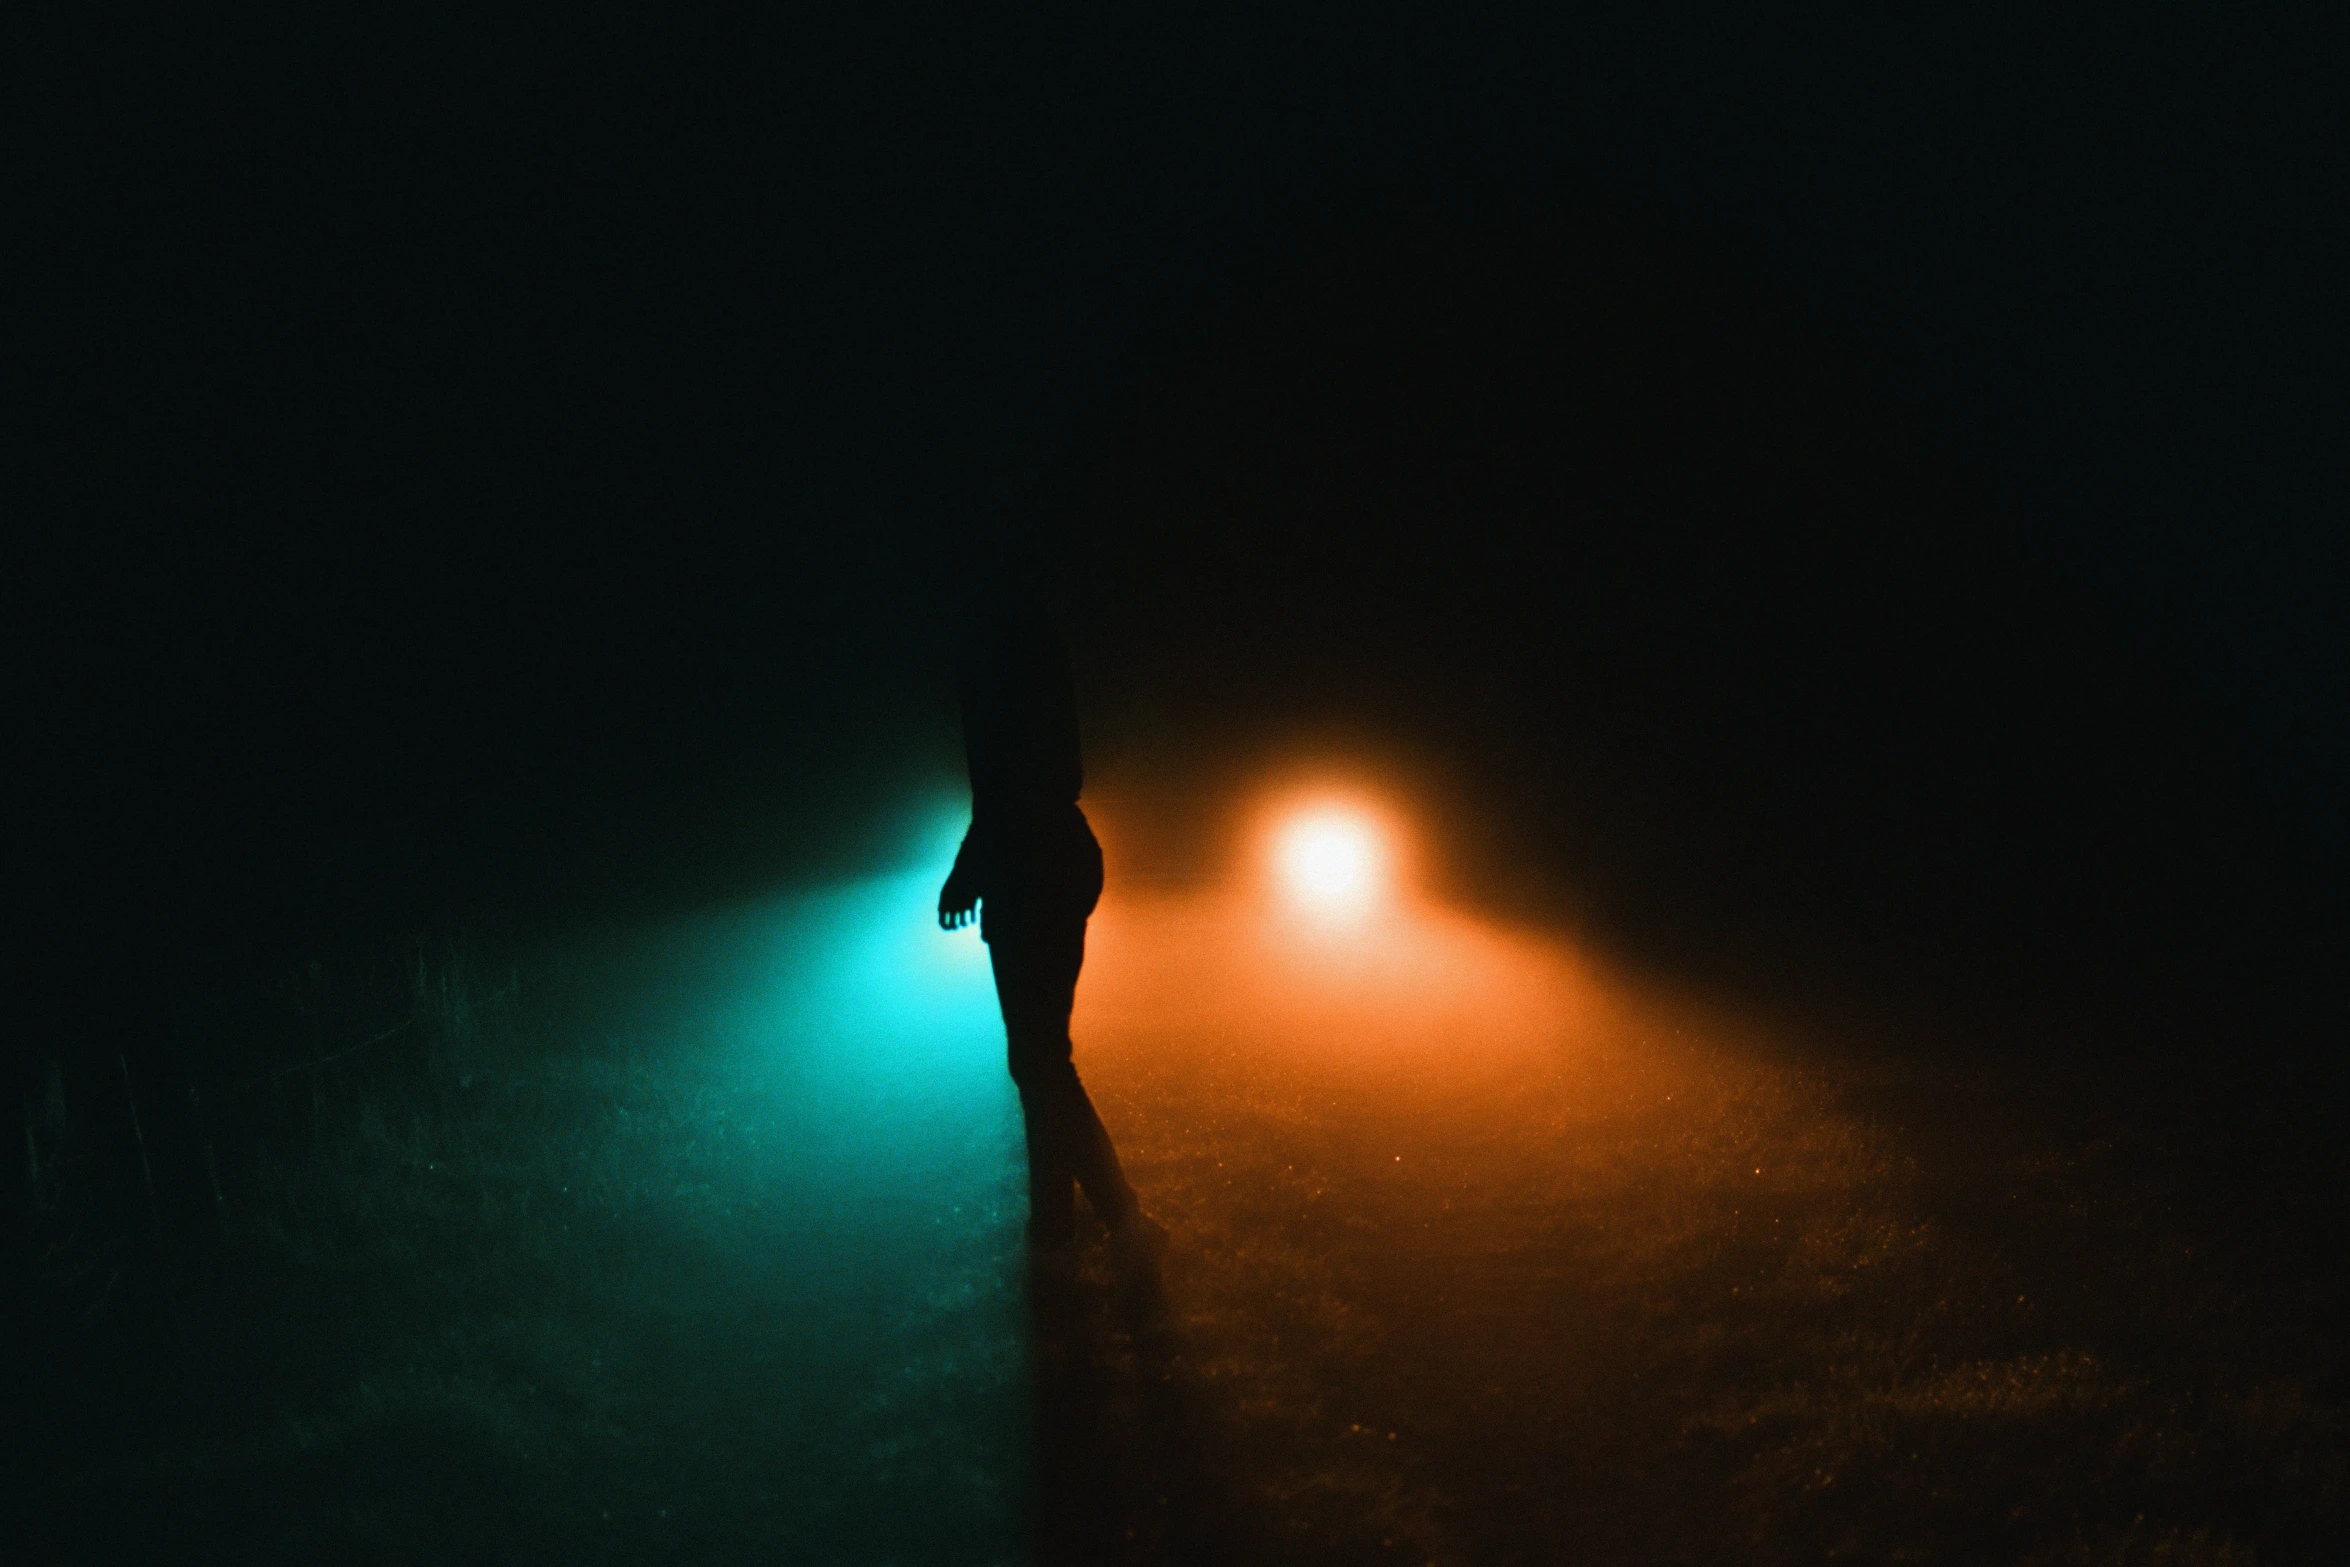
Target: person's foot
x,y
1053,1257
1137,1243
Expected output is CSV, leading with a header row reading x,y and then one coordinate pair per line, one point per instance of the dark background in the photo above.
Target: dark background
x,y
1853,500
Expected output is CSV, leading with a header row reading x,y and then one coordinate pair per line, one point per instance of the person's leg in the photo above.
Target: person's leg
x,y
1052,1192
1094,1158
1036,967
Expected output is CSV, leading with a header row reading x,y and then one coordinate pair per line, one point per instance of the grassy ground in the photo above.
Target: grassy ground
x,y
1480,1257
1657,1289
557,1284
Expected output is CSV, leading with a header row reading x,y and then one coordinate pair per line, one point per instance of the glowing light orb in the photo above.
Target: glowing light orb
x,y
1332,859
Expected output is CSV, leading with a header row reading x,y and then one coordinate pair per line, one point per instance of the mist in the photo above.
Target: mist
x,y
1788,578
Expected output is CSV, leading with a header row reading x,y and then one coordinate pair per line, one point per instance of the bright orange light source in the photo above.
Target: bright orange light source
x,y
1333,859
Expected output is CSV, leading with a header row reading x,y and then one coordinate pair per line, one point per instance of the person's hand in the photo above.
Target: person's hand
x,y
957,904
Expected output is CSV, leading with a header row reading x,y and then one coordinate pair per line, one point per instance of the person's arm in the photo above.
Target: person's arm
x,y
959,898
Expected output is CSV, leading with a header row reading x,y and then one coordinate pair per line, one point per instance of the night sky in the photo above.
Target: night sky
x,y
1857,498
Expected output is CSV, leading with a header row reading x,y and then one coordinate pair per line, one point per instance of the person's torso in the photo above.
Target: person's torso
x,y
1038,865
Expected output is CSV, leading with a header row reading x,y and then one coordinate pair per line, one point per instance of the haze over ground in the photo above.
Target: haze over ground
x,y
1832,522
698,1236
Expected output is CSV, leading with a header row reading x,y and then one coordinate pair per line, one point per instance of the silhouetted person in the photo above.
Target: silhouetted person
x,y
1031,867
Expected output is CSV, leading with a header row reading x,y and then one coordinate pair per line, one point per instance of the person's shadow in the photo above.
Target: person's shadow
x,y
1127,1456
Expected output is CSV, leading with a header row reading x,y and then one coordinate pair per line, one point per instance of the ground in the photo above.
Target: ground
x,y
1482,1252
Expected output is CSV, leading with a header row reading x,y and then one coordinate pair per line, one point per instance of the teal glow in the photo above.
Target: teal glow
x,y
855,1169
